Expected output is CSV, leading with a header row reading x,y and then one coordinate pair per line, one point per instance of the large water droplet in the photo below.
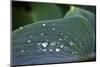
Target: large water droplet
x,y
57,49
53,43
44,44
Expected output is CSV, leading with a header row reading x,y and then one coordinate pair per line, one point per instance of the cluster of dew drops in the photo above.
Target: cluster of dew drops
x,y
53,44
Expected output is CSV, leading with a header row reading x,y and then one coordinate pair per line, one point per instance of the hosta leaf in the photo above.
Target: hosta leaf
x,y
46,11
53,41
82,12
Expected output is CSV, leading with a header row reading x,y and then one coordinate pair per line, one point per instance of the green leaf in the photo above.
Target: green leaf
x,y
74,11
53,41
20,17
46,11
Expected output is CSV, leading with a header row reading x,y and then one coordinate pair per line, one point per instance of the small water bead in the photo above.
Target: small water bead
x,y
71,43
44,50
47,40
60,39
53,28
43,24
38,43
53,43
66,49
61,33
61,46
58,42
80,42
44,44
76,52
42,34
72,52
50,50
31,36
57,49
21,28
66,36
22,51
28,41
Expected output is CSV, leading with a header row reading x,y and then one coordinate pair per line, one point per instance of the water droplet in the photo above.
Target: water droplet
x,y
60,39
80,42
43,24
44,50
61,46
21,28
66,49
50,50
72,52
38,43
22,51
71,43
53,43
47,40
28,41
42,34
75,52
57,49
66,36
53,28
58,42
31,36
61,33
45,44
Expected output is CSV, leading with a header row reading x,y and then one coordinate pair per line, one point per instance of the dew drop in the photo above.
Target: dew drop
x,y
44,44
57,49
75,52
61,46
53,28
71,43
22,51
72,52
44,50
43,24
38,43
50,50
47,40
21,28
42,34
60,39
61,33
31,36
80,42
53,43
66,49
28,41
66,36
58,42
